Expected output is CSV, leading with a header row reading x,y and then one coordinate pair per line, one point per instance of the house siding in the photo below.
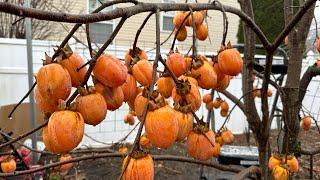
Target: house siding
x,y
127,33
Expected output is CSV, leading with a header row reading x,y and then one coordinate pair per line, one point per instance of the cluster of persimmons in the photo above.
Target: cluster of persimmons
x,y
116,82
183,19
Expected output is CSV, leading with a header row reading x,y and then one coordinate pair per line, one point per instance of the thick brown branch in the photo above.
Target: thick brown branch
x,y
252,170
311,72
120,12
247,71
234,169
273,83
310,152
264,97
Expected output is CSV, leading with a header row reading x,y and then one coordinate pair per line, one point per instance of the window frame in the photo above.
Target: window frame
x,y
167,15
111,22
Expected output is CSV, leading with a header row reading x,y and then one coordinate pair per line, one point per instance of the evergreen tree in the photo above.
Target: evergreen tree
x,y
269,16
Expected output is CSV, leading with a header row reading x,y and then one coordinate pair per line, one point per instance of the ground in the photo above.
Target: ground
x,y
110,168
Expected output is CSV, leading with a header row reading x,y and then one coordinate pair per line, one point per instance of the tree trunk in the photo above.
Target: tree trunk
x,y
247,72
247,86
264,153
291,105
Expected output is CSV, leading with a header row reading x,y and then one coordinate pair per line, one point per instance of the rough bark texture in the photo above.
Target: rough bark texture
x,y
247,86
250,171
311,72
297,39
247,72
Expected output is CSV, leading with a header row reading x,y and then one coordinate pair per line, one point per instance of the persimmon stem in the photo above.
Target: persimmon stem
x,y
198,122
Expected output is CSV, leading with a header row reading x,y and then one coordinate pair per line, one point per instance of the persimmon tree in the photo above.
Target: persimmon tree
x,y
181,79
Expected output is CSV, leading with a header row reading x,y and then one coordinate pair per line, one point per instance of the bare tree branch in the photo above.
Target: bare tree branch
x,y
119,12
252,170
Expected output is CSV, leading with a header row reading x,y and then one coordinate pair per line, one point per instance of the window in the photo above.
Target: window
x,y
167,18
100,31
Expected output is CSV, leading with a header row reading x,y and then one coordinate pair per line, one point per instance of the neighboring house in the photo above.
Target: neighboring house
x,y
101,31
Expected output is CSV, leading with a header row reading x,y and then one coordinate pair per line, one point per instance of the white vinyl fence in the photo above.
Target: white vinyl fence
x,y
14,84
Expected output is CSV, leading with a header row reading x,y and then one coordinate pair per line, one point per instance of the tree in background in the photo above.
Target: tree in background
x,y
268,15
13,26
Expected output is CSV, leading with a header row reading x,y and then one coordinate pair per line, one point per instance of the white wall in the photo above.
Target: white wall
x,y
14,84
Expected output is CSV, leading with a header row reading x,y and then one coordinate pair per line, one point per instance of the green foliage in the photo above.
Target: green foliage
x,y
269,16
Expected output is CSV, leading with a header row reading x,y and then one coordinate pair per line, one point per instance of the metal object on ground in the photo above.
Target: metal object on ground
x,y
239,155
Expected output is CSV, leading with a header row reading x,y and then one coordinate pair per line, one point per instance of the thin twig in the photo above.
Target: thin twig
x,y
20,102
139,31
236,104
94,59
175,79
225,23
18,20
162,43
89,39
210,111
24,135
25,146
124,138
178,30
135,145
84,65
215,165
194,39
316,24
